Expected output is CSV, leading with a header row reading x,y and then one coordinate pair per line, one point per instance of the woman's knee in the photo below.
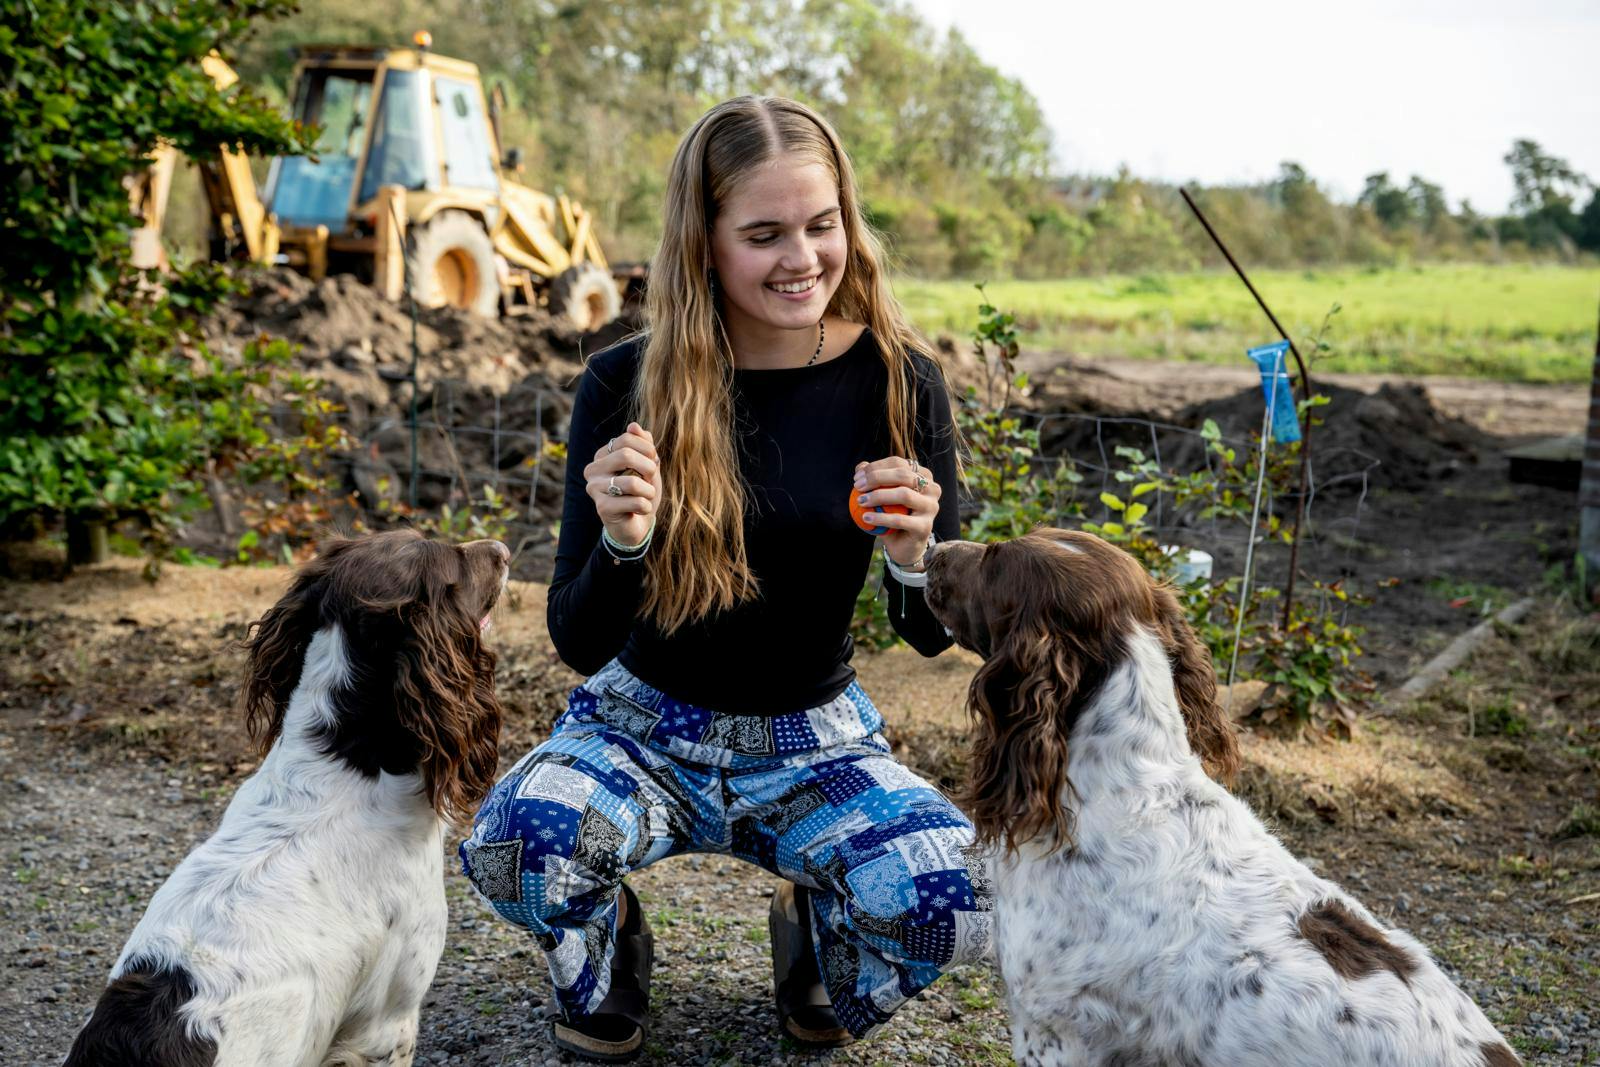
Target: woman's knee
x,y
548,832
926,894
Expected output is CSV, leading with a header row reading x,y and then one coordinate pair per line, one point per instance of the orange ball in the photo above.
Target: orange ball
x,y
859,513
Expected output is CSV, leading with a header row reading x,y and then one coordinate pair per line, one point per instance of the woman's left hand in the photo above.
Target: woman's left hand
x,y
901,481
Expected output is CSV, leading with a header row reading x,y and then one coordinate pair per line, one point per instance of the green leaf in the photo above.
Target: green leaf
x,y
1112,501
1136,512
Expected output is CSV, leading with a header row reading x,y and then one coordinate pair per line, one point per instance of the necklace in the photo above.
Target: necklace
x,y
822,333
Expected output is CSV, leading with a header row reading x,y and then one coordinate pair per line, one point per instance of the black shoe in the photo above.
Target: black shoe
x,y
614,1032
805,1014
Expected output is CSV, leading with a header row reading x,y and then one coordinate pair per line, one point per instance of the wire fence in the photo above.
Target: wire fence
x,y
1339,485
1326,502
468,452
502,456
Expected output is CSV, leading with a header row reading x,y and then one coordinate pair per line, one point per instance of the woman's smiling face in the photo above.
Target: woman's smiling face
x,y
779,247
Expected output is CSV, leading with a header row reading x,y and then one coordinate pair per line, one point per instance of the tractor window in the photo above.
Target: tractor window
x,y
402,139
469,161
304,192
343,116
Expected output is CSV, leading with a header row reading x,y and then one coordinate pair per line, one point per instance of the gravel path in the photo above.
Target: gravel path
x,y
90,839
118,754
89,842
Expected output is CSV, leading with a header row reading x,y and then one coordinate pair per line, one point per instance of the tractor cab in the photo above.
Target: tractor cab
x,y
380,126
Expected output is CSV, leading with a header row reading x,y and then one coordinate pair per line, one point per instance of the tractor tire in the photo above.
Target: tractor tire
x,y
585,297
451,262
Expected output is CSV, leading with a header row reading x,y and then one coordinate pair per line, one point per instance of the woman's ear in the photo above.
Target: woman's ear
x,y
1019,702
444,695
1211,734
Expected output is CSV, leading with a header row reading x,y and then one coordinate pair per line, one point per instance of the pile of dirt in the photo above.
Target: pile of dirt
x,y
487,390
1397,427
343,320
1393,438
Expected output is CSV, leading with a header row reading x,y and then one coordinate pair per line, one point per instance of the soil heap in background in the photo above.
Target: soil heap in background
x,y
518,374
1413,443
1396,437
473,374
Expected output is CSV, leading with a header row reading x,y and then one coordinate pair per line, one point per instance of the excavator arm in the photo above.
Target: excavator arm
x,y
237,213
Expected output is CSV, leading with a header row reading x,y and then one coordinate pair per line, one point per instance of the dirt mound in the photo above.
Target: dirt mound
x,y
1395,437
1396,427
487,390
330,318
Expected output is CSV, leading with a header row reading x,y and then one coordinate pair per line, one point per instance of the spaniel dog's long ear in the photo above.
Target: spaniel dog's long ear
x,y
444,694
1211,734
275,646
1018,701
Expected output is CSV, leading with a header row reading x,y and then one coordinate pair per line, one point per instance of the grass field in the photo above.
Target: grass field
x,y
1515,322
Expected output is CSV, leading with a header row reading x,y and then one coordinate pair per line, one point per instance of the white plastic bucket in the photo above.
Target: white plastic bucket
x,y
1190,564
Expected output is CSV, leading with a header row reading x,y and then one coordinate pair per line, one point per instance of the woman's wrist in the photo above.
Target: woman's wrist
x,y
622,553
914,574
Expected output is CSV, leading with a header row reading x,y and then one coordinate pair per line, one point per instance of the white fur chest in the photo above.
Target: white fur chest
x,y
319,899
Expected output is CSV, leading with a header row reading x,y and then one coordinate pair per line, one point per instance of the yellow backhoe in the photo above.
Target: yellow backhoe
x,y
407,179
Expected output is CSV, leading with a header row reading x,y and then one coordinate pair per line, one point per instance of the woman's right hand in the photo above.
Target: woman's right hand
x,y
626,515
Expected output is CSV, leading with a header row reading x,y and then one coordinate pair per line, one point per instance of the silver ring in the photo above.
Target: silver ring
x,y
922,483
611,487
611,446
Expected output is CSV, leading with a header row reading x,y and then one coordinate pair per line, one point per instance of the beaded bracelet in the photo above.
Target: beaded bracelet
x,y
621,553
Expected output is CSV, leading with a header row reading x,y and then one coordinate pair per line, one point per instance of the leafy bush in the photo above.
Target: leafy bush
x,y
115,406
473,519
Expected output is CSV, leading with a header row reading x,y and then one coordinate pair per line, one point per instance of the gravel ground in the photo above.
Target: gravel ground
x,y
89,843
118,754
90,838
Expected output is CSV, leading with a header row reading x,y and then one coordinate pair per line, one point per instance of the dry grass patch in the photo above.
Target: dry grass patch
x,y
1383,773
109,659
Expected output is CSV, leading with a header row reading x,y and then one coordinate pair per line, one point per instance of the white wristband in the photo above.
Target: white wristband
x,y
909,579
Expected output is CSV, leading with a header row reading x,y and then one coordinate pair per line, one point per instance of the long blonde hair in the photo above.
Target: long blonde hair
x,y
684,392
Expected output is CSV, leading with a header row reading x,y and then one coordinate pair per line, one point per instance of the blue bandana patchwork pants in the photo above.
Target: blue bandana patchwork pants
x,y
630,776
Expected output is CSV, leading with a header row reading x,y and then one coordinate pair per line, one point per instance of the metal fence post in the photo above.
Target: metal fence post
x,y
538,450
1589,491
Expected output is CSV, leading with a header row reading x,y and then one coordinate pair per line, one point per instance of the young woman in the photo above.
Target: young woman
x,y
705,579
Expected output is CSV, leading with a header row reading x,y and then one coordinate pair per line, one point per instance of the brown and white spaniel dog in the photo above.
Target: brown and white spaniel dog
x,y
1143,914
306,930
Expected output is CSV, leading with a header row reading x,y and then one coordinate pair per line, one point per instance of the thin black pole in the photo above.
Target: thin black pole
x,y
411,299
1305,428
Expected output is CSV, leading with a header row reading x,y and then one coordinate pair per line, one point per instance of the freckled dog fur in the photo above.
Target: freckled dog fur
x,y
1143,914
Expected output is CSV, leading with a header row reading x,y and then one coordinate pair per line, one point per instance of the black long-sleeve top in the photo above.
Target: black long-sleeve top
x,y
800,433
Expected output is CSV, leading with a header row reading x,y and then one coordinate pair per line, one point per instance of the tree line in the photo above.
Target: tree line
x,y
954,156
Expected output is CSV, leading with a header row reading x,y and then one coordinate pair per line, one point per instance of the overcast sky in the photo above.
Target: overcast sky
x,y
1222,91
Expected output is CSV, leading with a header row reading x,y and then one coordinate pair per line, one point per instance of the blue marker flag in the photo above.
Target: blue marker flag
x,y
1276,388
